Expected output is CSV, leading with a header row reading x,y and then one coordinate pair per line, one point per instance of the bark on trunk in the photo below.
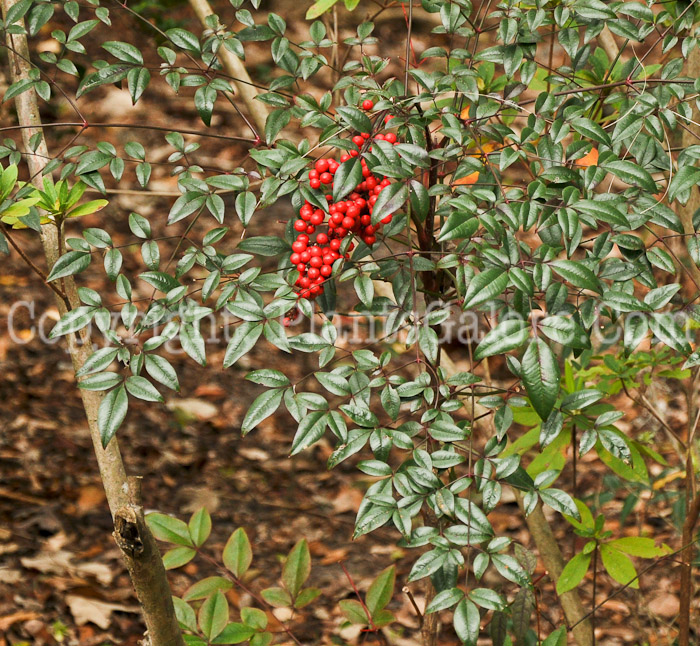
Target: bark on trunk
x,y
140,550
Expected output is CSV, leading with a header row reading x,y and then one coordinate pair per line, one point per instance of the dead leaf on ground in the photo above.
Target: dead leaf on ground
x,y
8,620
94,611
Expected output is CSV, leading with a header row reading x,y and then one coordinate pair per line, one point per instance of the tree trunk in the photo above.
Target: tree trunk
x,y
133,537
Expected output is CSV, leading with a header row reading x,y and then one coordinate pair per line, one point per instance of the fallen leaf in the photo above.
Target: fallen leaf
x,y
8,620
196,408
665,605
94,611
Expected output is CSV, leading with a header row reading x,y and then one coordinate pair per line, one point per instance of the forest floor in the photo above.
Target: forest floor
x,y
61,577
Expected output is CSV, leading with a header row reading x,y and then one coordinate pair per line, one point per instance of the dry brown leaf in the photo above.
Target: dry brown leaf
x,y
8,620
665,605
197,408
94,611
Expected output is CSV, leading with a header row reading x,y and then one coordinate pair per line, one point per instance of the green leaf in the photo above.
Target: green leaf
x,y
619,566
185,205
364,288
276,120
238,554
141,388
540,375
137,80
346,178
444,599
242,341
354,611
206,587
669,332
381,590
69,264
111,413
254,617
192,342
484,287
184,39
507,335
297,568
310,430
467,621
245,207
591,130
213,615
489,599
234,633
557,638
560,501
200,526
263,406
640,546
573,572
631,173
124,51
683,180
391,199
355,119
160,369
185,614
564,331
98,361
577,274
177,557
169,529
277,597
73,320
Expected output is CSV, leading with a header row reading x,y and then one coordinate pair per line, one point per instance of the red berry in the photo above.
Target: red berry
x,y
332,166
365,220
337,218
321,165
390,137
335,244
358,141
355,153
286,321
305,256
369,240
326,178
326,270
315,251
300,225
316,261
344,157
379,137
315,183
388,118
353,211
294,258
304,281
369,230
364,135
341,232
298,246
303,238
322,238
348,222
314,273
301,267
386,220
367,104
341,207
310,229
317,218
313,174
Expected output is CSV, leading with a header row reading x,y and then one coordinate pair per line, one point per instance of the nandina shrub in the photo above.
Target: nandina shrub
x,y
512,186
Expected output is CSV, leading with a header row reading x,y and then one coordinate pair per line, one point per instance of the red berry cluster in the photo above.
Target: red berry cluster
x,y
353,215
